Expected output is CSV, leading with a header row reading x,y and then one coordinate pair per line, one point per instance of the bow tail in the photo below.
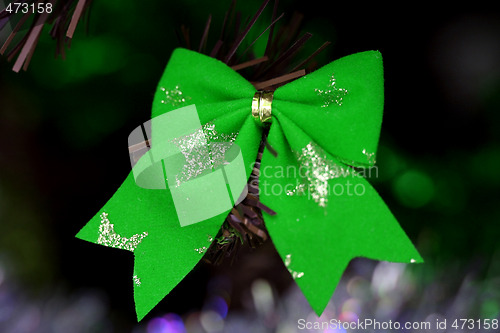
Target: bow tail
x,y
173,252
144,221
317,234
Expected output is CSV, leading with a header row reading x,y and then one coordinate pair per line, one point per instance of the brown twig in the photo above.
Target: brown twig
x,y
279,80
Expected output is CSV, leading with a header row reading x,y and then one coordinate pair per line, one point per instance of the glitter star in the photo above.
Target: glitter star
x,y
369,156
295,274
331,95
137,280
174,97
202,151
317,170
108,236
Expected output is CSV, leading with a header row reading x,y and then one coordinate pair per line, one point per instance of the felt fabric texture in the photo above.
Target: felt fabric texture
x,y
316,243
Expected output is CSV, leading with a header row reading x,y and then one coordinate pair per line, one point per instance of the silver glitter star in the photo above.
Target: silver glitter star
x,y
332,94
204,249
288,262
137,281
108,236
174,97
317,170
201,151
369,156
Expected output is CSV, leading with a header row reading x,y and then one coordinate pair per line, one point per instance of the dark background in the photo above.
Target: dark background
x,y
63,146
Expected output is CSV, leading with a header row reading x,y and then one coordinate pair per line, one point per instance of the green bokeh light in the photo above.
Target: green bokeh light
x,y
490,309
413,188
389,163
88,58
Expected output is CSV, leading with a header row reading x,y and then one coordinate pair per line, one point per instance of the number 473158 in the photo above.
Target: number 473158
x,y
478,324
22,7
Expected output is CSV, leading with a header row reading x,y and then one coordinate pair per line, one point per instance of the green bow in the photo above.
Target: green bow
x,y
323,124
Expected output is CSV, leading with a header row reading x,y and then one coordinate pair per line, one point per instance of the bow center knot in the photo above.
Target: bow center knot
x,y
261,105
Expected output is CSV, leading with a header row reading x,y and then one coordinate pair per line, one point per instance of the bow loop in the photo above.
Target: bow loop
x,y
339,106
194,78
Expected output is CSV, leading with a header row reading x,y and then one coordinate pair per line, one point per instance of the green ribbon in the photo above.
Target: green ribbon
x,y
322,124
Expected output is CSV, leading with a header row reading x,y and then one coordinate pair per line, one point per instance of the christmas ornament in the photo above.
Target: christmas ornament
x,y
324,218
312,138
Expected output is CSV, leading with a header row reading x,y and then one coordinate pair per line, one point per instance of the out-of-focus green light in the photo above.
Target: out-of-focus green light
x,y
389,163
485,165
450,195
413,188
95,56
490,309
88,58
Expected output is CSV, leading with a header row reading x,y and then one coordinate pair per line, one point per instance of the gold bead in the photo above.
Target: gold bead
x,y
261,105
